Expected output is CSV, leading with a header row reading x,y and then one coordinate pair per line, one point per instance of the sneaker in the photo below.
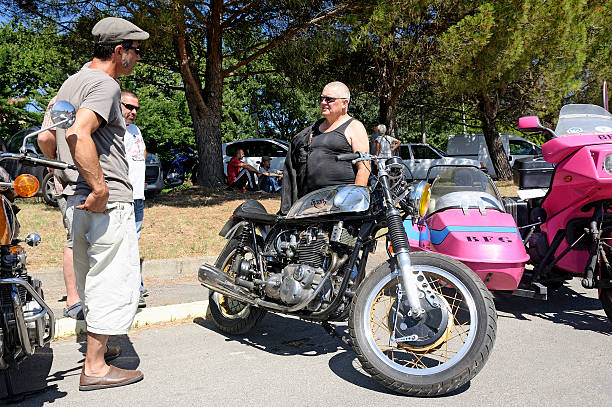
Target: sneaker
x,y
144,292
141,301
75,311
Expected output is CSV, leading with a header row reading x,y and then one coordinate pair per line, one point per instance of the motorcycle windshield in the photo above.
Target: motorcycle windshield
x,y
583,119
465,188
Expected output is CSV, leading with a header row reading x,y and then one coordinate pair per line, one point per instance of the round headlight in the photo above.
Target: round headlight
x,y
420,197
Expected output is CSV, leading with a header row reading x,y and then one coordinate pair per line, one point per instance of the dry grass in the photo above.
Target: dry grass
x,y
179,224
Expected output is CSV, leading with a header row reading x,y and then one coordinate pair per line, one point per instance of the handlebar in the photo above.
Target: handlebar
x,y
32,160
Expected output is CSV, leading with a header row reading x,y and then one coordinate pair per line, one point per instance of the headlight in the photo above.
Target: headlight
x,y
608,164
420,197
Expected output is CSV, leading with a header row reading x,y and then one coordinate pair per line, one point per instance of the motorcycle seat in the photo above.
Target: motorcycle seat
x,y
253,210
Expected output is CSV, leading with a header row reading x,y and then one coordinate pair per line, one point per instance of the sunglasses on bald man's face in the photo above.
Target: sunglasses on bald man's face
x,y
130,107
329,99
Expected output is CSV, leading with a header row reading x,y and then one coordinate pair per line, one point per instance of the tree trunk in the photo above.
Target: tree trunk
x,y
488,107
387,109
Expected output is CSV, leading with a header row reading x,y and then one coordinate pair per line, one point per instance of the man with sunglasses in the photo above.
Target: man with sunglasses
x,y
311,160
105,247
136,154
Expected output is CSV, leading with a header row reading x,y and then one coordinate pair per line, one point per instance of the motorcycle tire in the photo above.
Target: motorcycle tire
x,y
48,190
229,315
605,297
442,363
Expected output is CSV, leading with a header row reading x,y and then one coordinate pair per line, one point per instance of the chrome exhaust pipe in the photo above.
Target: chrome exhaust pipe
x,y
214,279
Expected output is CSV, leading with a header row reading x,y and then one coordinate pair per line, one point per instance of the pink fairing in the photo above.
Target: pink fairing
x,y
489,244
528,122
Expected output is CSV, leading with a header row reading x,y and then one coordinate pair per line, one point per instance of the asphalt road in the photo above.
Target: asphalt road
x,y
546,353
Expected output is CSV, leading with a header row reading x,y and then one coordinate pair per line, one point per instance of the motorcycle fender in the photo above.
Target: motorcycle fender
x,y
231,227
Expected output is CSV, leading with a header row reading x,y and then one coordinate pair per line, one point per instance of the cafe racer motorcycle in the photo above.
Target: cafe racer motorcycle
x,y
421,323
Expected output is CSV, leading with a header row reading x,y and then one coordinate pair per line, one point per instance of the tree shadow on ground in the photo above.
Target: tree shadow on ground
x,y
564,306
196,196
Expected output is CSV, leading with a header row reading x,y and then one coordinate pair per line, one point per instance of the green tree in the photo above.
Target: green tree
x,y
510,56
34,62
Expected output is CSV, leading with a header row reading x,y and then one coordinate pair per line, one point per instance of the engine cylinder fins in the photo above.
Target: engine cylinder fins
x,y
311,250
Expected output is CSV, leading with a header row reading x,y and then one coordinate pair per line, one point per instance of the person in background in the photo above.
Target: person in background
x,y
239,173
136,154
269,180
373,138
385,144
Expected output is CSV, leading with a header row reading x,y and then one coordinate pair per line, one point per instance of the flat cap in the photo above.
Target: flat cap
x,y
113,30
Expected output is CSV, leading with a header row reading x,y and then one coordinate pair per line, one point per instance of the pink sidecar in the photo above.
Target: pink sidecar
x,y
466,220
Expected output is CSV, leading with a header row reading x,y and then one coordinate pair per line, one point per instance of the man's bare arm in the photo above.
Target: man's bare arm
x,y
396,144
360,143
47,143
249,167
85,156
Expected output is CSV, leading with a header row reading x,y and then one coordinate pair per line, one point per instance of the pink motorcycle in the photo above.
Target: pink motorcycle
x,y
561,223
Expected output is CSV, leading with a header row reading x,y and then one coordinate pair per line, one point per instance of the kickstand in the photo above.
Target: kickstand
x,y
13,398
329,328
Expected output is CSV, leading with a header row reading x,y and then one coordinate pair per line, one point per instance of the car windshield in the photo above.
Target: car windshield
x,y
465,188
583,119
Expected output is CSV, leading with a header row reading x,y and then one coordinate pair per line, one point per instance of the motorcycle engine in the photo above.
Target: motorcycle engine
x,y
307,251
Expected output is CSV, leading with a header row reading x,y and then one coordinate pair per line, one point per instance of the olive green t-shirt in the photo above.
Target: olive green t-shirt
x,y
95,90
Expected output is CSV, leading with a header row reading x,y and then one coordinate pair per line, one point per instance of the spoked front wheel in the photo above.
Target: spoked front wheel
x,y
440,351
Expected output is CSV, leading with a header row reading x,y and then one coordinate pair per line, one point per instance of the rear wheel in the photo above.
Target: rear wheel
x,y
229,315
437,353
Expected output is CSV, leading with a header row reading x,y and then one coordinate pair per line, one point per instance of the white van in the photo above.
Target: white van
x,y
474,146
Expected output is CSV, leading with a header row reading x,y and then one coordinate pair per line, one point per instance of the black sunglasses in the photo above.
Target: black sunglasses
x,y
130,107
329,99
128,47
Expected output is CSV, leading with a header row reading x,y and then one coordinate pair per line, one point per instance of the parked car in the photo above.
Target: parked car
x,y
419,158
254,149
16,168
154,176
475,146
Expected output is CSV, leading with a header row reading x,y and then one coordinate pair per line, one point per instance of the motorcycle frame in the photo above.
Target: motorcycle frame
x,y
370,223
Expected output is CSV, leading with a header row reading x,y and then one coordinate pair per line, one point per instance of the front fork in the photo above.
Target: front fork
x,y
414,285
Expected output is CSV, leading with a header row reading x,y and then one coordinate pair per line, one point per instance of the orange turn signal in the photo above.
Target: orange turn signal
x,y
26,185
16,249
567,178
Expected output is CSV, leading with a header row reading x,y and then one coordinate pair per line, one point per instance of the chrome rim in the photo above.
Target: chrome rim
x,y
456,342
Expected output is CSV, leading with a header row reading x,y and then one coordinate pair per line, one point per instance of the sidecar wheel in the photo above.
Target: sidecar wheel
x,y
457,345
229,315
606,301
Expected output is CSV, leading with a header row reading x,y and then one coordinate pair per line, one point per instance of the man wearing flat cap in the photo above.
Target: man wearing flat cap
x,y
105,247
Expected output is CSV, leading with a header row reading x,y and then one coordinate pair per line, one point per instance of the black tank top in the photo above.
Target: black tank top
x,y
322,169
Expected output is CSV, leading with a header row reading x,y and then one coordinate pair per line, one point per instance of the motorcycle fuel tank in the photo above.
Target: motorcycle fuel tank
x,y
331,200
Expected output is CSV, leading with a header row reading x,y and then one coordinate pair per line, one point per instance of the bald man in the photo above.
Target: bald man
x,y
311,160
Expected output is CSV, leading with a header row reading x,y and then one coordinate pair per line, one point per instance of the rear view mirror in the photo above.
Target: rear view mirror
x,y
62,114
531,124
